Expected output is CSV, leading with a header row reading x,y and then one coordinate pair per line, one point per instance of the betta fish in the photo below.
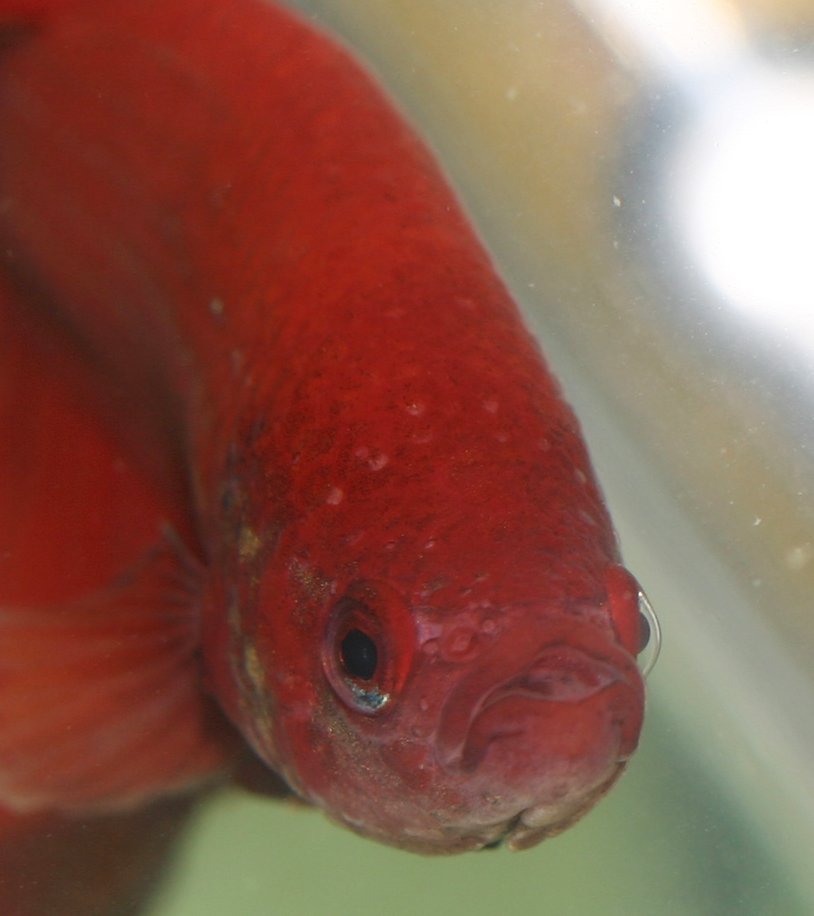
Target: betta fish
x,y
282,470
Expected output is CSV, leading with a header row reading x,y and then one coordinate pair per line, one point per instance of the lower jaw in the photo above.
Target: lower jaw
x,y
525,829
542,821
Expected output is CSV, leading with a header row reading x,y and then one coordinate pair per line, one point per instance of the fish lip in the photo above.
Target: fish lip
x,y
474,695
532,681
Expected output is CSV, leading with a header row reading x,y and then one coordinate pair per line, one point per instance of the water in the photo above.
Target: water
x,y
564,130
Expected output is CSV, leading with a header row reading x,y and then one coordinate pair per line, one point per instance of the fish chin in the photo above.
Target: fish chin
x,y
531,825
546,819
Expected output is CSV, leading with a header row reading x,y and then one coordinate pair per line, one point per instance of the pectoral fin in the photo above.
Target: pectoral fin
x,y
101,705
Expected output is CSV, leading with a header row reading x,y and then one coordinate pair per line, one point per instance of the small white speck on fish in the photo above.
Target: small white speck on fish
x,y
335,496
415,408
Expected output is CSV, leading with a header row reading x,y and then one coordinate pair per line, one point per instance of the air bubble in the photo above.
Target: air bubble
x,y
650,626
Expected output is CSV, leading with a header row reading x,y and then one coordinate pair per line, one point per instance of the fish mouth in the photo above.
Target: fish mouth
x,y
558,674
533,736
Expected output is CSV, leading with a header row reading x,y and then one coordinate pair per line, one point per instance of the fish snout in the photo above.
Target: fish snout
x,y
547,692
540,730
538,702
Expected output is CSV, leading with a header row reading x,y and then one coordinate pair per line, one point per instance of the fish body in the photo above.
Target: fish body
x,y
364,522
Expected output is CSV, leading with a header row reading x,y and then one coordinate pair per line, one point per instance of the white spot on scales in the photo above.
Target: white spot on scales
x,y
335,496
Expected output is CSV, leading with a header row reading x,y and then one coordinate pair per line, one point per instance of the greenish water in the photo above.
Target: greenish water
x,y
666,841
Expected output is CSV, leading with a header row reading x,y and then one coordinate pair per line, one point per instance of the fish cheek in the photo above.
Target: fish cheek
x,y
412,762
315,746
362,772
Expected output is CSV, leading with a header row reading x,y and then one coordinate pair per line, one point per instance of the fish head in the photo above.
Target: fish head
x,y
442,728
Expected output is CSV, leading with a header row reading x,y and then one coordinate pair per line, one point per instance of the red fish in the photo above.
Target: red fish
x,y
276,442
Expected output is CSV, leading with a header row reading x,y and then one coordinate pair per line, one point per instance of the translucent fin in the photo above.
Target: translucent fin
x,y
101,704
102,866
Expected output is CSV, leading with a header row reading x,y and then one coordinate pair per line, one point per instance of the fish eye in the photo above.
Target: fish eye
x,y
354,658
368,646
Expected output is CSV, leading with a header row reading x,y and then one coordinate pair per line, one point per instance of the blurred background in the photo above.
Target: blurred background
x,y
643,174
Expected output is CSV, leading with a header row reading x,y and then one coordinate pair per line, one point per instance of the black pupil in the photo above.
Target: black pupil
x,y
359,655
